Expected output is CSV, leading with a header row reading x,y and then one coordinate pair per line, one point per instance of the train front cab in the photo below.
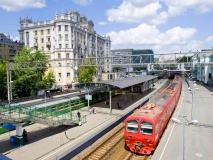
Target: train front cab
x,y
139,135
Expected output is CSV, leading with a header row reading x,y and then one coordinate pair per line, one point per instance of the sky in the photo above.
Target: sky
x,y
165,26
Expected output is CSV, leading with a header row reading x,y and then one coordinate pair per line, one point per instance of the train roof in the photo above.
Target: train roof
x,y
156,104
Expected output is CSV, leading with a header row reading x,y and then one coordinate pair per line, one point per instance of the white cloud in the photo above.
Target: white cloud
x,y
137,11
11,5
102,23
209,39
15,38
178,7
82,2
155,11
148,36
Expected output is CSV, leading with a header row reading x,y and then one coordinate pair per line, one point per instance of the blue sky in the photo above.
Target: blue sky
x,y
162,25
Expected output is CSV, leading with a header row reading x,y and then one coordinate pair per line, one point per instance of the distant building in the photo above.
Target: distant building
x,y
68,36
148,56
8,47
125,57
203,73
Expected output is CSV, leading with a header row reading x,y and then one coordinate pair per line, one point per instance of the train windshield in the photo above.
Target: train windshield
x,y
132,126
146,128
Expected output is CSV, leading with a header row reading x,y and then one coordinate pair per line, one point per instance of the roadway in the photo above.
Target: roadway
x,y
198,137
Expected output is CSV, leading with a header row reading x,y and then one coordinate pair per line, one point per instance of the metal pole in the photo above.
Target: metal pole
x,y
45,99
110,101
192,105
183,141
8,86
88,100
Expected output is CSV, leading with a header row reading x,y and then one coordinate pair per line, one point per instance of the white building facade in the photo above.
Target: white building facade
x,y
68,36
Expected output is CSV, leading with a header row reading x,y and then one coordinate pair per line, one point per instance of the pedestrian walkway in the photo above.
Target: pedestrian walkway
x,y
48,142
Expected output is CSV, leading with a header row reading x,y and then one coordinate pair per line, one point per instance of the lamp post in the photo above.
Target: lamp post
x,y
175,120
45,98
192,91
88,89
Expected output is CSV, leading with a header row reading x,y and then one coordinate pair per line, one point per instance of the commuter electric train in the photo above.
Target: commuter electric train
x,y
145,126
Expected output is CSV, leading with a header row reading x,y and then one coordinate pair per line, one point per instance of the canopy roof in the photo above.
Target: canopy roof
x,y
127,82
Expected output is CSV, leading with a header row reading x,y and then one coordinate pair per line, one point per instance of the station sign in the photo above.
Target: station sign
x,y
88,97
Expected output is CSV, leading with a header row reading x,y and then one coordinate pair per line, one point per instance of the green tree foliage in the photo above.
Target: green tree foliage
x,y
183,59
86,73
116,69
49,79
3,79
28,81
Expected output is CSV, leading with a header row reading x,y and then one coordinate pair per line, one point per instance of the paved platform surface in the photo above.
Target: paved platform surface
x,y
48,142
198,138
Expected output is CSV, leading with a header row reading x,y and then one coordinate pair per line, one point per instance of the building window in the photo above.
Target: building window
x,y
68,74
42,48
42,40
59,27
66,28
48,31
59,45
59,64
42,32
59,37
67,55
66,37
48,39
59,55
59,75
36,33
66,45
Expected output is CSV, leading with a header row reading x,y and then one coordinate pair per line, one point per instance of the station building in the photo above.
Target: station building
x,y
68,36
204,72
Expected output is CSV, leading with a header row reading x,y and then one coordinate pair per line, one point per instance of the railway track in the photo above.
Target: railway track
x,y
111,146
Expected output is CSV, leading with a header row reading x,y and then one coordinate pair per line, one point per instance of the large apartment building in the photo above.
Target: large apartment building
x,y
68,36
8,47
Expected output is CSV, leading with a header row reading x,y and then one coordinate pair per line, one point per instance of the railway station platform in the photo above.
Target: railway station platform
x,y
49,142
195,142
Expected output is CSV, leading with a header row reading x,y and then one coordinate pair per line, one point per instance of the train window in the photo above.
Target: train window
x,y
146,128
132,126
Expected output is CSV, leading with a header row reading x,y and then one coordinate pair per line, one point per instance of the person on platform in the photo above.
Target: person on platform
x,y
118,105
79,116
25,136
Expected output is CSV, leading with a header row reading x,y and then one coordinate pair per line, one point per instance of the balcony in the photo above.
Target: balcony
x,y
63,49
48,43
35,44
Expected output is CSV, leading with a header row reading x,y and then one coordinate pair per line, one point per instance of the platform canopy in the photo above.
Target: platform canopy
x,y
127,82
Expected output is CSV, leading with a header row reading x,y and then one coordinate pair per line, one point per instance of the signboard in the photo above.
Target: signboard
x,y
120,91
88,97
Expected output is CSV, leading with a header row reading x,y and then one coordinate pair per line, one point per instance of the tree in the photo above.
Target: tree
x,y
183,59
49,79
3,79
86,73
29,81
117,69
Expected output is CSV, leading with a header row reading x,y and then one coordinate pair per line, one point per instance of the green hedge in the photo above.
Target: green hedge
x,y
3,130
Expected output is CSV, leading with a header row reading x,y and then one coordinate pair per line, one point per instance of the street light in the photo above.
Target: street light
x,y
192,91
45,98
175,120
88,96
